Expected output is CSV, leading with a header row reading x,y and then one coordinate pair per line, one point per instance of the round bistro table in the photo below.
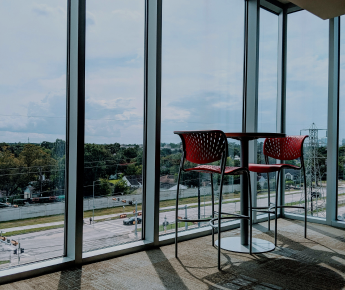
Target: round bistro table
x,y
241,244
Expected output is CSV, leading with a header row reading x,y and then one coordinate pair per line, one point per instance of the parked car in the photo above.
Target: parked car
x,y
131,221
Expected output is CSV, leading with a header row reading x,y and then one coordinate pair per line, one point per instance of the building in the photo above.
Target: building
x,y
167,181
134,181
289,176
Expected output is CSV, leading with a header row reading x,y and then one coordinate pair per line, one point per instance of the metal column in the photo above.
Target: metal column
x,y
152,119
75,128
250,93
333,119
281,97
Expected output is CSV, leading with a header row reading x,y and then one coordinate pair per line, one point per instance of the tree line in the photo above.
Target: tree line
x,y
41,168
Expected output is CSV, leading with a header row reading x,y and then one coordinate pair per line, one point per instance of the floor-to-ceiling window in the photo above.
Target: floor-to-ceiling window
x,y
267,96
202,76
306,108
341,152
113,122
32,130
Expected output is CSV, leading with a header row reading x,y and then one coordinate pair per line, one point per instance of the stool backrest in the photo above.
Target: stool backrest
x,y
204,146
287,148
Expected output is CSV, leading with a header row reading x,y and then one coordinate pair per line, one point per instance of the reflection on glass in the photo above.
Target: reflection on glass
x,y
113,123
306,108
341,157
32,130
267,97
202,75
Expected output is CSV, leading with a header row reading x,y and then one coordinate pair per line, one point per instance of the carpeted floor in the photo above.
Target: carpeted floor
x,y
297,263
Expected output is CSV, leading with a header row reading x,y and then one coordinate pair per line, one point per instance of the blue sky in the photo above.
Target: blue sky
x,y
307,73
202,65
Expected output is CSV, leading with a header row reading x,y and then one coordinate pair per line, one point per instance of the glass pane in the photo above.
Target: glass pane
x,y
341,160
32,130
202,75
113,122
306,108
267,99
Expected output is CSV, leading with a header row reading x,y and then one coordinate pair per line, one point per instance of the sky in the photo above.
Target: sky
x,y
307,73
202,69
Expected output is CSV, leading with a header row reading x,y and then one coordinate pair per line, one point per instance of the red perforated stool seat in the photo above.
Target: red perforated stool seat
x,y
266,168
216,169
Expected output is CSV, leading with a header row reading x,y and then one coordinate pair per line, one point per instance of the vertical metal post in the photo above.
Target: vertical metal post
x,y
93,202
152,119
185,216
136,218
244,194
199,198
281,97
333,119
250,89
75,129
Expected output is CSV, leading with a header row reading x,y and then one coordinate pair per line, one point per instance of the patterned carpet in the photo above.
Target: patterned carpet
x,y
297,263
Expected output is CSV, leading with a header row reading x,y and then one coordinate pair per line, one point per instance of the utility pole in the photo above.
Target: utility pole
x,y
41,180
18,250
165,223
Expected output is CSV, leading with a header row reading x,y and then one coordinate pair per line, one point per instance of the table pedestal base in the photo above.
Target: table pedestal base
x,y
233,244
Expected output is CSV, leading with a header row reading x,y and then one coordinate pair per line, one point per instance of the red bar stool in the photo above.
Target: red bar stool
x,y
288,148
202,147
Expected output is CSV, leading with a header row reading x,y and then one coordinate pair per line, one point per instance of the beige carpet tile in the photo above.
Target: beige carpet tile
x,y
317,262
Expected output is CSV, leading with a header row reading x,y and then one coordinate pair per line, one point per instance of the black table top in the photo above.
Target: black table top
x,y
253,135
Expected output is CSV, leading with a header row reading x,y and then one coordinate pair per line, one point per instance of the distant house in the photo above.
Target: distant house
x,y
134,181
167,181
182,187
29,192
261,181
113,177
125,146
289,176
237,158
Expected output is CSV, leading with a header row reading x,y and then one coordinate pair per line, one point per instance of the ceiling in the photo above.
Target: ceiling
x,y
324,9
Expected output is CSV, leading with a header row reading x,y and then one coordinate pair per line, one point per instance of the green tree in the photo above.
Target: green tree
x,y
38,162
99,164
121,187
12,174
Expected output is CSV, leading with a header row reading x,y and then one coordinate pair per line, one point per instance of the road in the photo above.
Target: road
x,y
49,243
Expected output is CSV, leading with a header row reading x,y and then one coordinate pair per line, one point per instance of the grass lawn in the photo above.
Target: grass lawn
x,y
117,210
27,231
4,262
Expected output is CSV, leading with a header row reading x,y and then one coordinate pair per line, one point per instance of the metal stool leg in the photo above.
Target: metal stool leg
x,y
212,208
250,215
276,212
219,218
269,200
176,210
